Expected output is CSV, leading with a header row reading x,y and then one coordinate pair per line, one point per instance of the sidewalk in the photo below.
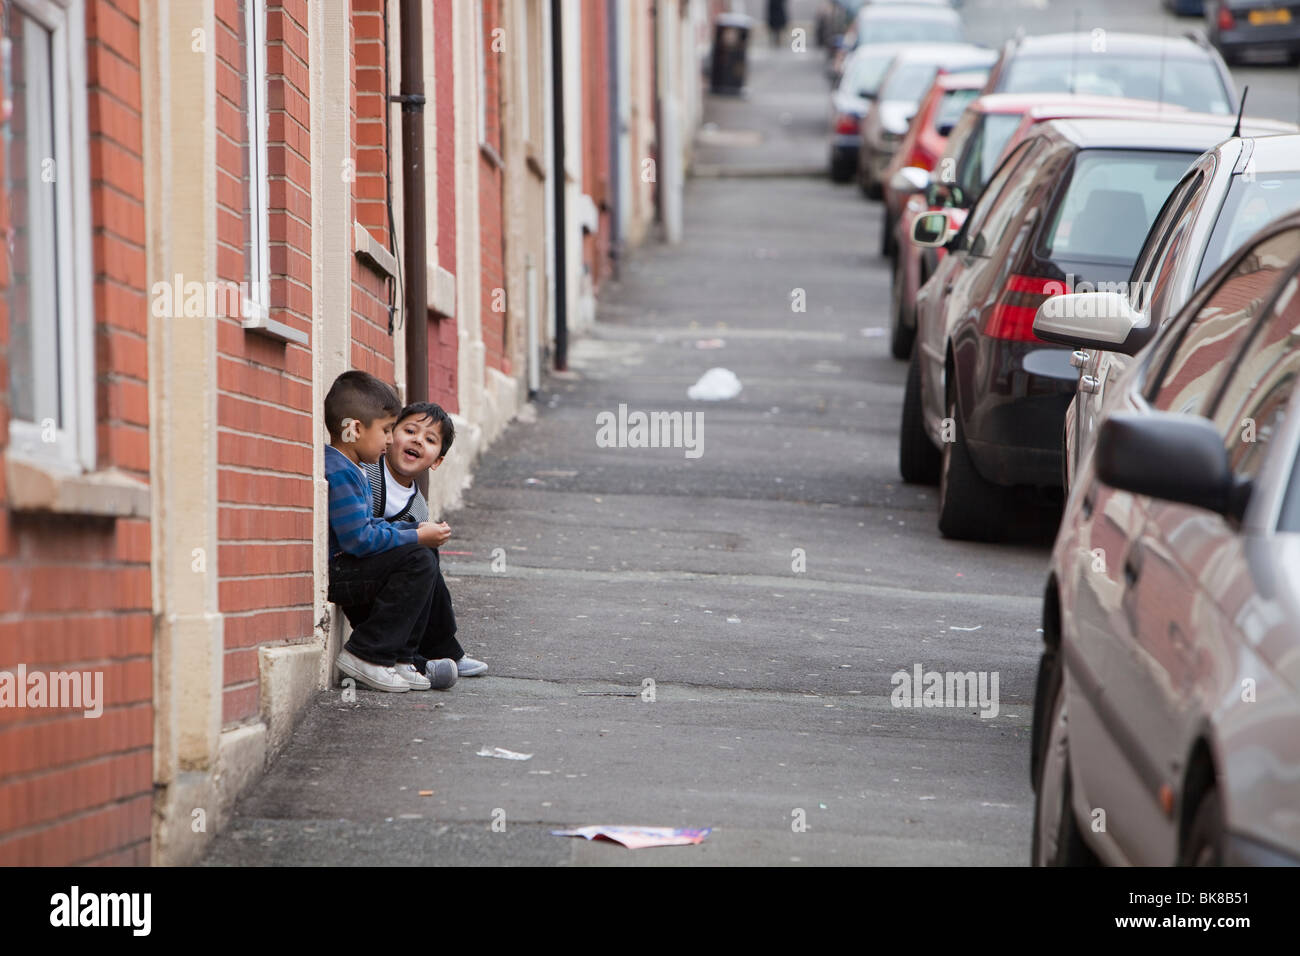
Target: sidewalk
x,y
772,686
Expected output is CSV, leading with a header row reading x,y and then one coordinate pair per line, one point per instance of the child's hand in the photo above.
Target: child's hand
x,y
433,535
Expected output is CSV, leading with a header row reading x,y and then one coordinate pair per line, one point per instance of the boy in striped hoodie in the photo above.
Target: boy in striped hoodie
x,y
421,439
382,574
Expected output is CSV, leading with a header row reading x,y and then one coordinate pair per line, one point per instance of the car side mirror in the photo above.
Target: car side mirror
x,y
909,179
932,230
1096,320
940,194
1174,457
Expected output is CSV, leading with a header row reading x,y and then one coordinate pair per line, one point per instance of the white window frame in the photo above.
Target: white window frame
x,y
258,302
481,35
525,71
72,445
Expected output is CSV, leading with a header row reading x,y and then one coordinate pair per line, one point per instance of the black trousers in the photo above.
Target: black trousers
x,y
388,599
439,638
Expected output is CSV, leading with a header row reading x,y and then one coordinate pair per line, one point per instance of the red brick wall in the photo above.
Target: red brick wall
x,y
595,135
441,96
264,404
491,184
77,589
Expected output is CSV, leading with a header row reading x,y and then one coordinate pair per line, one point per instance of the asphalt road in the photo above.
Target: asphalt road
x,y
769,588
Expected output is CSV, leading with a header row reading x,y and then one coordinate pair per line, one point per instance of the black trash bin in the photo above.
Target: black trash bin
x,y
730,42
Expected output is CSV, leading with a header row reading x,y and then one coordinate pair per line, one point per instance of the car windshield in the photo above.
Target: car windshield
x,y
865,73
951,105
1252,201
908,82
895,29
1112,198
1194,84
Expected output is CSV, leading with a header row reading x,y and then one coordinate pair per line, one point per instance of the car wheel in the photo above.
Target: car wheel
x,y
918,459
841,171
901,336
888,247
1204,846
970,508
1057,839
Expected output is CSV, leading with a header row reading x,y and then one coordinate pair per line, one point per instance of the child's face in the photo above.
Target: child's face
x,y
373,439
417,446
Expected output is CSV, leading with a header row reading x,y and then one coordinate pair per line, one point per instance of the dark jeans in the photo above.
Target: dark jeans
x,y
439,638
387,597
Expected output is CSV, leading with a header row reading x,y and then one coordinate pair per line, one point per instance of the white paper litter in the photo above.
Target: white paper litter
x,y
715,385
503,753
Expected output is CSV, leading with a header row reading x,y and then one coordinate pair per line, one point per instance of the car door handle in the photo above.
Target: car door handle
x,y
1078,358
1089,383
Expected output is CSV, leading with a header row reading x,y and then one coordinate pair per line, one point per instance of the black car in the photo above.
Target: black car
x,y
1238,27
986,399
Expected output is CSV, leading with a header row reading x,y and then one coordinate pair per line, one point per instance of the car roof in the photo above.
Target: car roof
x,y
1279,153
1186,131
1057,107
963,79
966,54
1025,102
1135,44
903,11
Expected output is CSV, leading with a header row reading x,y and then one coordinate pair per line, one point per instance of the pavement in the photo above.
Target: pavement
x,y
700,641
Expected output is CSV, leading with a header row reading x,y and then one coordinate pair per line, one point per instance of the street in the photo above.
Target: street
x,y
711,641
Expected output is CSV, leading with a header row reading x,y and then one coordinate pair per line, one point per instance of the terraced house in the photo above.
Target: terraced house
x,y
211,208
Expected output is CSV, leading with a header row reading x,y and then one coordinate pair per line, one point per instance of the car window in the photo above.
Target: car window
x,y
980,212
976,165
883,29
1176,215
907,82
1106,209
1224,315
1253,200
951,105
1015,199
1194,84
1256,393
865,73
1161,288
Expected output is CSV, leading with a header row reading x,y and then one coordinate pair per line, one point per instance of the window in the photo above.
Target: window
x,y
1253,201
1008,201
1224,316
257,248
47,189
1191,83
979,212
976,164
1164,241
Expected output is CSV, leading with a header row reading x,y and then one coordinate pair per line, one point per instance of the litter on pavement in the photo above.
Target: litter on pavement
x,y
715,385
637,838
502,753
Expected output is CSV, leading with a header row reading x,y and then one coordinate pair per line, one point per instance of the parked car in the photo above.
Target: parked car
x,y
1240,28
1168,692
910,74
985,401
991,126
923,145
1228,193
1185,8
898,23
850,101
1185,71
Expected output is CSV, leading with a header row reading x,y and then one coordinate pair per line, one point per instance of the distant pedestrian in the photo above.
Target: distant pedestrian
x,y
777,18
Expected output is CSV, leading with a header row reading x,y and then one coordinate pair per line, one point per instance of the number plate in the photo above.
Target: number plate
x,y
1263,17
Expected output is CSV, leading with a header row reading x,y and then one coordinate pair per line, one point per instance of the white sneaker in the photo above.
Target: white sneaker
x,y
442,673
374,676
468,667
408,673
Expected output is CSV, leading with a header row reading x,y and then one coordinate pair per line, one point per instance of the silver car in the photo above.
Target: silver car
x,y
1227,194
1167,713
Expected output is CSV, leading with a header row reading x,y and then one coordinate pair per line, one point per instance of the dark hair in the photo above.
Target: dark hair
x,y
440,418
358,395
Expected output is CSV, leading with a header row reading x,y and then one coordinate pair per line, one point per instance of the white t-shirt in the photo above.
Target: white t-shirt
x,y
396,496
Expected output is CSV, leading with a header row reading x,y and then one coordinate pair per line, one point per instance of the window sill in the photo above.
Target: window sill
x,y
43,487
491,155
367,248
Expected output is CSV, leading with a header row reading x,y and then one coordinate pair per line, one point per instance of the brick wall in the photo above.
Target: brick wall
x,y
441,95
264,413
595,137
77,589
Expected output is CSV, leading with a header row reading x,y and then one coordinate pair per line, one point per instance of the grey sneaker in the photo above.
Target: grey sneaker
x,y
442,673
374,676
468,667
408,673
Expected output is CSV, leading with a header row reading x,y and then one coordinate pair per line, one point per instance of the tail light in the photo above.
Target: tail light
x,y
847,123
1226,20
1013,313
920,157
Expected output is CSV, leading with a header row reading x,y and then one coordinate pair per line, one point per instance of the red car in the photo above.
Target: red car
x,y
940,108
988,129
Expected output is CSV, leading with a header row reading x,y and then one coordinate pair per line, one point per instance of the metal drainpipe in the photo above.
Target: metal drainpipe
x,y
615,133
561,249
414,293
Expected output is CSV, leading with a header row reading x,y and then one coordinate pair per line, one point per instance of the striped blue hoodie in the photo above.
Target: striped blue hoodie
x,y
353,527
